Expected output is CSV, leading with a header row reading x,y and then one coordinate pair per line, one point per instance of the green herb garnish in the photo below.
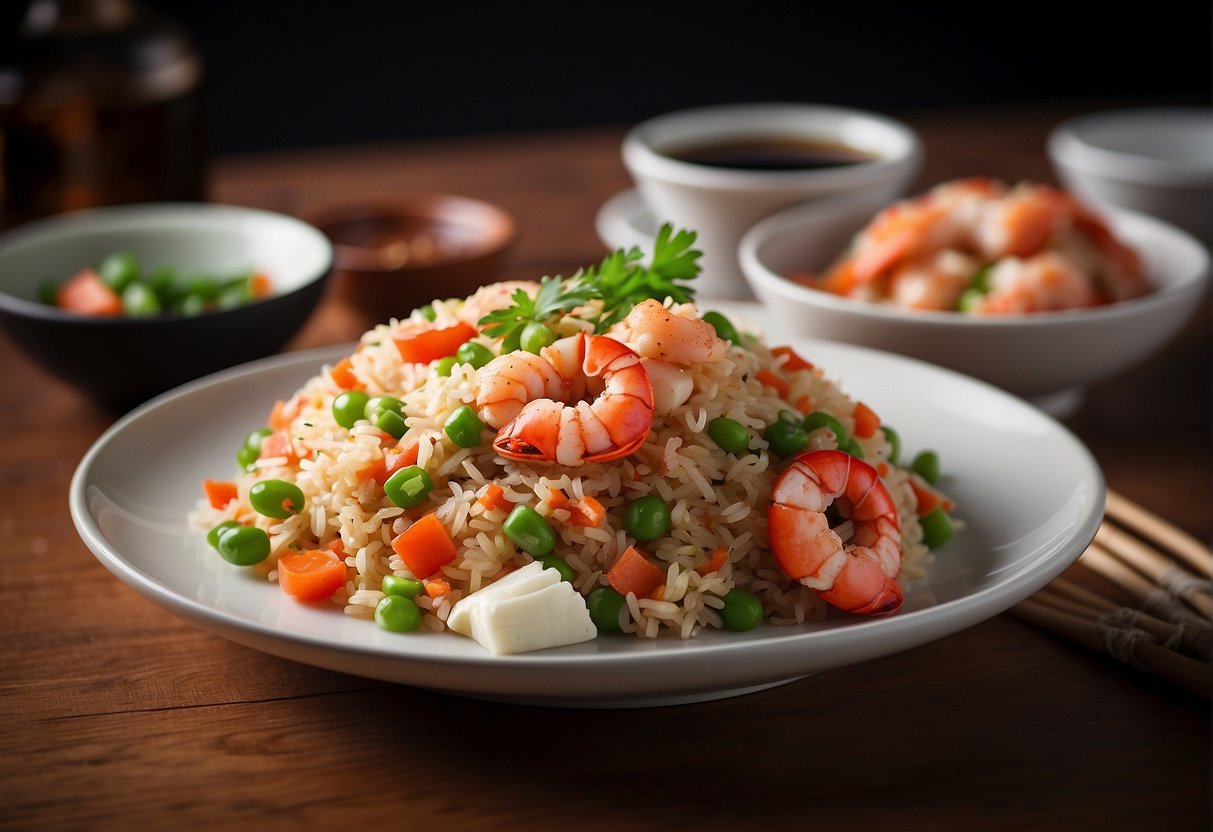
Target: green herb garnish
x,y
620,282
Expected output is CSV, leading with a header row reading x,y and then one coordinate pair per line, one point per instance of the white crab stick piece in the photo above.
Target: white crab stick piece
x,y
530,609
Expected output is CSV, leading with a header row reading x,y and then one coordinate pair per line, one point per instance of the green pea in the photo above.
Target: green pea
x,y
723,326
741,611
163,281
276,498
477,355
244,545
560,565
119,270
409,486
463,427
647,518
212,537
139,301
387,414
443,366
349,407
391,423
205,287
512,342
729,434
245,457
248,452
786,439
936,528
969,300
790,416
604,605
819,419
529,531
894,444
981,279
427,311
535,336
232,296
926,465
191,304
397,614
404,587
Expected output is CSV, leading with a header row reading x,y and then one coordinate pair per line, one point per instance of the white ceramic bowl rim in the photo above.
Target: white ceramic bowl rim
x,y
119,217
791,218
895,143
1075,144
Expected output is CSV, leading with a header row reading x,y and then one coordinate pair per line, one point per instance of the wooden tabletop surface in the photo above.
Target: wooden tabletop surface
x,y
117,715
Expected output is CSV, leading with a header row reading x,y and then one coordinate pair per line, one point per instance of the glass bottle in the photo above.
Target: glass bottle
x,y
100,103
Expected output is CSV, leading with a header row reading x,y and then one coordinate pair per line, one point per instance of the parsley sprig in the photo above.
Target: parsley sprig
x,y
620,282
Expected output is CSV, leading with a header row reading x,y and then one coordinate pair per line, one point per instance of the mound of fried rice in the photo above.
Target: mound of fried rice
x,y
716,499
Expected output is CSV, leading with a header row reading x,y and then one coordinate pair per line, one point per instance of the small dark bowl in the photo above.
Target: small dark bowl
x,y
393,257
121,361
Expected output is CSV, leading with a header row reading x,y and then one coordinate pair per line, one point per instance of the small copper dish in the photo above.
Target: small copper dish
x,y
394,256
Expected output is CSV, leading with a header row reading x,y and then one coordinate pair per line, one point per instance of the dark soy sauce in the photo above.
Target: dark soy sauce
x,y
771,154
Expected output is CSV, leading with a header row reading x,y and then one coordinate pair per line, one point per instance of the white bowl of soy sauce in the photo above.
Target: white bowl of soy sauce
x,y
719,170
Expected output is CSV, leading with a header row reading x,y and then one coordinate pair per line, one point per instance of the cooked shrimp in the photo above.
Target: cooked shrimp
x,y
897,258
534,401
934,283
671,335
858,576
1043,283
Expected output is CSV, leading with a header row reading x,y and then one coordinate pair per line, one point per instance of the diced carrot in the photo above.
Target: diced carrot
x,y
866,421
493,497
220,493
421,345
928,498
658,593
773,381
425,547
336,547
88,294
437,587
283,414
587,512
261,285
343,375
882,469
394,458
714,563
278,444
311,575
794,361
635,573
557,498
804,404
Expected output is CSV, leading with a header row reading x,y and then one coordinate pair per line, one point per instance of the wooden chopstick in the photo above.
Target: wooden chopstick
x,y
1187,548
1125,645
1156,566
1065,595
1159,566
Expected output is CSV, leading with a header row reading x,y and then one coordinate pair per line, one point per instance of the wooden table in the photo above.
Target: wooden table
x,y
116,715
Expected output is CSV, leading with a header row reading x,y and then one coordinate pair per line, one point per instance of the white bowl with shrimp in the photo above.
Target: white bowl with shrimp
x,y
1045,356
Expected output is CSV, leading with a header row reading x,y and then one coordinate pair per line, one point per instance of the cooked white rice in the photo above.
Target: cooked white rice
x,y
716,499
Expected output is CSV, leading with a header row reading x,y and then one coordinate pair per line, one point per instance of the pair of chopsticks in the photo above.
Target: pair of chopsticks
x,y
1165,571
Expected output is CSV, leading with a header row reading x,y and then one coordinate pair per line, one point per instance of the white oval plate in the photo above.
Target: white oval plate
x,y
1029,493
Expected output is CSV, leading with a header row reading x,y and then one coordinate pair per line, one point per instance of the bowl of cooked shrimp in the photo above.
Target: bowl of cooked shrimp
x,y
1022,286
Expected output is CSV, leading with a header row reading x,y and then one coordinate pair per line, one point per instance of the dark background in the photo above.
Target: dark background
x,y
289,75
